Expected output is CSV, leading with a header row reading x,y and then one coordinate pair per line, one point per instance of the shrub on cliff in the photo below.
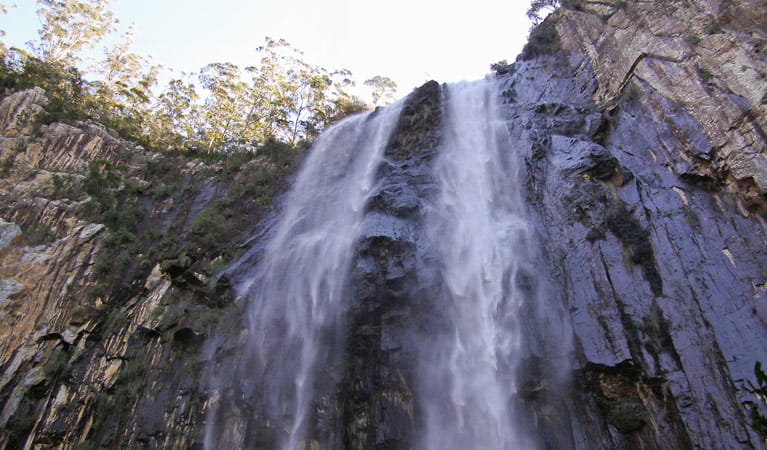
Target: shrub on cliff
x,y
759,390
64,86
544,40
224,108
539,9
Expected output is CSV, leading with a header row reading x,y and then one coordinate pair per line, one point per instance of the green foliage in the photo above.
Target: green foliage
x,y
176,115
219,263
118,239
543,40
39,234
7,165
130,381
100,412
284,99
206,232
110,406
384,89
112,264
163,191
714,27
346,105
223,108
112,201
64,187
258,185
73,98
70,26
20,423
539,9
58,184
502,67
122,97
115,319
759,390
56,362
693,39
233,162
299,98
281,154
63,85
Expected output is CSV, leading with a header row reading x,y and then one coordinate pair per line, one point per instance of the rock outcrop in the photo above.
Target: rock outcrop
x,y
646,174
705,57
107,281
642,129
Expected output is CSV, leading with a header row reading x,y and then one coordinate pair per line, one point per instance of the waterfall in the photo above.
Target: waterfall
x,y
297,292
477,246
477,225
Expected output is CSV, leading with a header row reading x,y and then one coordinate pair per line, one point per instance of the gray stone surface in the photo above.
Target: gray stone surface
x,y
656,266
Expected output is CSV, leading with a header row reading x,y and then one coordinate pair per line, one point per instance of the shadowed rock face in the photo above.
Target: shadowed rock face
x,y
659,261
705,58
641,125
377,395
655,239
94,352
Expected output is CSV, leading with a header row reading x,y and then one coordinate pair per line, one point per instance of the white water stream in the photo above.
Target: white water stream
x,y
479,241
477,223
298,291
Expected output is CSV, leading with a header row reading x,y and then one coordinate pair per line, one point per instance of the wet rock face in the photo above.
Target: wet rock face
x,y
705,58
90,356
364,392
377,396
415,131
635,406
643,141
657,256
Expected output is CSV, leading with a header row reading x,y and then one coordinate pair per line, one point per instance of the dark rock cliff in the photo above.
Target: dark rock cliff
x,y
642,129
653,227
109,280
665,315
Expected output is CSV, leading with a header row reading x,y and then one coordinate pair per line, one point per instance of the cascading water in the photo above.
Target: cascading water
x,y
476,246
477,224
298,290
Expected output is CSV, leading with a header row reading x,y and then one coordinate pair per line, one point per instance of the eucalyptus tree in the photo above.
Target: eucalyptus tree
x,y
3,49
290,99
280,98
177,116
224,107
269,102
383,88
309,94
123,94
287,92
68,27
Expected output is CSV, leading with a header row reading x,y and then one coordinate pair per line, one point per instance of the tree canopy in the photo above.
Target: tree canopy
x,y
69,26
222,107
384,89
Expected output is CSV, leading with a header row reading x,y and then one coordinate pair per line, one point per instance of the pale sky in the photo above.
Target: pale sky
x,y
410,41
